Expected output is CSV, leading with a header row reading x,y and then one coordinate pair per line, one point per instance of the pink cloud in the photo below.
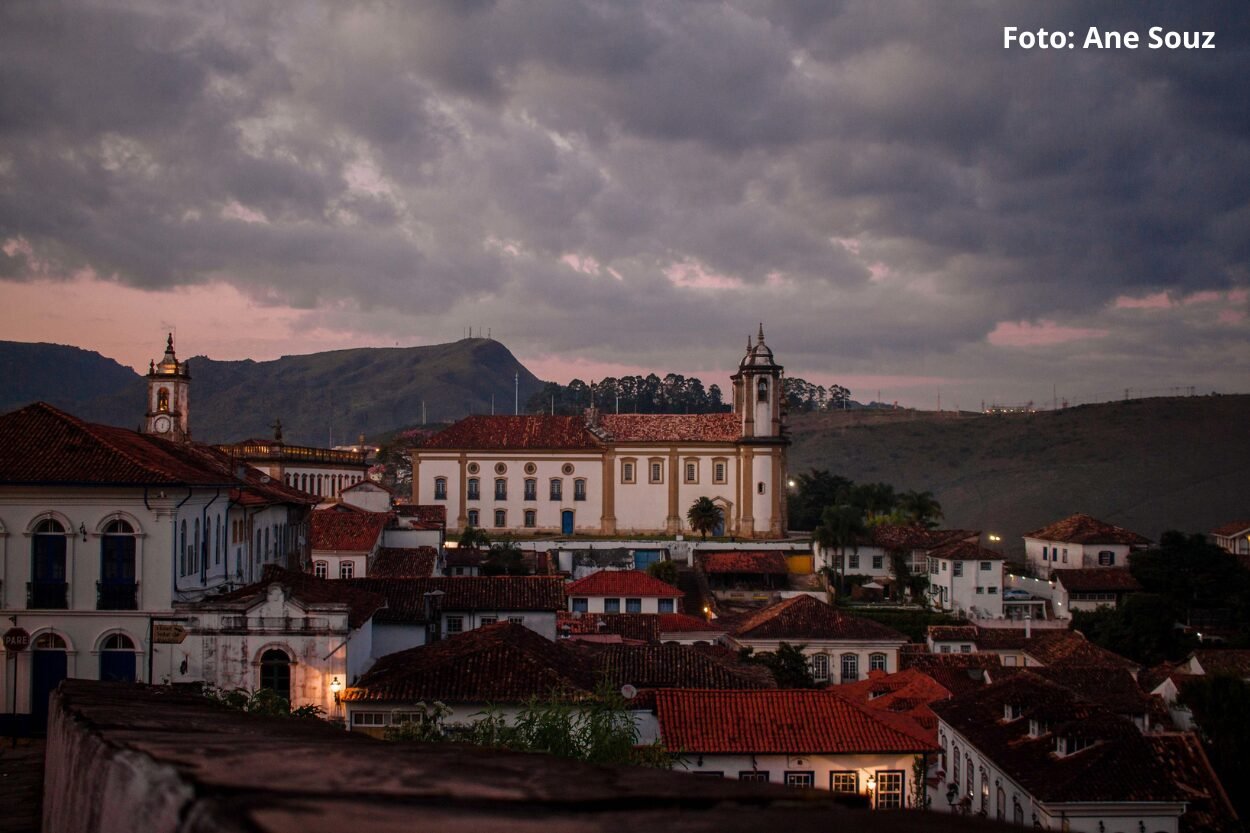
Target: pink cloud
x,y
1159,300
1231,316
1042,334
692,274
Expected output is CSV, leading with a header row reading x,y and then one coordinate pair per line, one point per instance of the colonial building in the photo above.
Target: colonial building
x,y
608,474
1080,541
324,472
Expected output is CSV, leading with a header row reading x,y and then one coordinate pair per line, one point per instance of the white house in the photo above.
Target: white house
x,y
874,555
966,579
608,474
813,739
367,495
1080,541
345,540
324,472
1030,752
1090,588
1233,538
622,591
840,648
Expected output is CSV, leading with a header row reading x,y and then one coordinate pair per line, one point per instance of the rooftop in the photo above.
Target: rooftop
x,y
717,428
1234,661
763,562
361,604
1233,529
916,536
1096,579
685,623
804,617
621,583
966,551
1083,529
347,531
404,562
500,432
958,673
406,597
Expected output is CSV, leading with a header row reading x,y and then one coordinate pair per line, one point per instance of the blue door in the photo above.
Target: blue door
x,y
566,522
47,669
645,558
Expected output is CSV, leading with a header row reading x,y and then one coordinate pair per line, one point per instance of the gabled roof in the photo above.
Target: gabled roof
x,y
347,531
957,673
906,693
405,562
406,600
762,562
500,663
625,428
1049,647
435,514
1235,529
1096,579
673,666
44,445
952,633
1083,529
779,722
1113,688
804,618
621,583
367,485
1120,765
1234,661
916,536
481,432
965,551
685,623
310,590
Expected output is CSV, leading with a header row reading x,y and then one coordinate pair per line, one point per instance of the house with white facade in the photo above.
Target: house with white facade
x,y
1090,588
1031,752
840,648
608,474
1233,538
324,472
345,540
622,591
966,579
367,495
875,555
1080,541
812,739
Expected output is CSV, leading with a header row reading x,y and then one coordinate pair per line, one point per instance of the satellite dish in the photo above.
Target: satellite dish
x,y
629,692
264,478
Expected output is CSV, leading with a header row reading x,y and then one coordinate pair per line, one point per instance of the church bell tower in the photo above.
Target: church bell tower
x,y
757,392
169,387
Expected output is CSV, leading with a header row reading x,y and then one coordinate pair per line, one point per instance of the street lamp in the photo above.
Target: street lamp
x,y
336,687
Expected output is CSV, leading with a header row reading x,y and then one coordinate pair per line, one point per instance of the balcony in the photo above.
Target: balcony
x,y
47,595
116,596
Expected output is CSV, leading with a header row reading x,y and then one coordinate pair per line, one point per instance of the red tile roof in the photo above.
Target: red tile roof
x,y
804,617
1049,647
715,428
952,633
308,589
779,722
1082,529
423,513
684,623
1119,766
1231,530
406,562
1094,579
507,432
958,673
616,583
643,627
673,666
406,596
347,531
763,562
966,551
42,444
1113,688
1235,661
907,693
916,536
1208,807
500,663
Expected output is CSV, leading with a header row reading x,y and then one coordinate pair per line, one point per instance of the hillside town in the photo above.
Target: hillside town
x,y
650,565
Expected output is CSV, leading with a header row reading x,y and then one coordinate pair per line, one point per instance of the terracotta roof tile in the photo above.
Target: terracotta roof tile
x,y
1049,647
673,666
1091,579
500,432
1113,688
804,618
347,531
1233,529
406,562
779,722
718,428
1082,529
965,551
435,514
621,583
1119,766
959,673
361,604
763,562
644,627
406,596
1208,807
685,623
1235,661
916,536
952,633
907,693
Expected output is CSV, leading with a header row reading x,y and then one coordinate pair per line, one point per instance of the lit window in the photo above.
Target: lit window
x,y
346,569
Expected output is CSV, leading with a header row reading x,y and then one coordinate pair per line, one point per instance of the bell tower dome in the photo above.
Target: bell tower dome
x,y
169,387
758,391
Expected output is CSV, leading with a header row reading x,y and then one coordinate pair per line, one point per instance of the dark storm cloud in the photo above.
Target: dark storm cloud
x,y
881,179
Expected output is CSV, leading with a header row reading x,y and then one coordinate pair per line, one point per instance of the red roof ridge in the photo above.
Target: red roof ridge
x,y
617,582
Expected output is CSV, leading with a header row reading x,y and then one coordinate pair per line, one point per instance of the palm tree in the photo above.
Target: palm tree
x,y
841,526
921,507
704,516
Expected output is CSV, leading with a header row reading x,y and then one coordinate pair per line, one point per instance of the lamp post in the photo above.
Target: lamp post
x,y
336,688
871,783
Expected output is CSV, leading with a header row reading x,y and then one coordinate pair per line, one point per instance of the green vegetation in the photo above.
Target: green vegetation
x,y
261,701
672,394
666,571
788,664
704,516
597,730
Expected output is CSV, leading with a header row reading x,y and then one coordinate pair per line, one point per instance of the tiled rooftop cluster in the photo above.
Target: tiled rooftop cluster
x,y
404,562
804,617
574,432
347,531
620,583
407,602
757,562
1083,529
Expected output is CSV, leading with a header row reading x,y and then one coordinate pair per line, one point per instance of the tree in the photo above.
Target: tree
x,y
873,498
813,491
704,516
504,560
841,526
474,538
921,507
788,664
665,571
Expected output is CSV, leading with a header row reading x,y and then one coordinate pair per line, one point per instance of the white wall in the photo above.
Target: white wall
x,y
821,767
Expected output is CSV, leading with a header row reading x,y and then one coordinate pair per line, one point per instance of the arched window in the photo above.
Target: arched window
x,y
761,390
474,518
440,488
49,642
850,668
955,772
217,542
501,518
117,658
531,518
579,489
303,482
474,489
876,662
162,399
275,673
47,549
501,488
319,483
116,590
195,549
820,667
971,775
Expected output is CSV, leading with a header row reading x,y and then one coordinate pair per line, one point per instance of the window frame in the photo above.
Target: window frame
x,y
629,470
500,518
455,624
321,569
878,661
611,605
501,488
655,470
530,489
530,519
850,660
844,774
796,777
820,667
473,518
555,488
347,570
897,792
633,605
579,488
720,471
690,471
473,488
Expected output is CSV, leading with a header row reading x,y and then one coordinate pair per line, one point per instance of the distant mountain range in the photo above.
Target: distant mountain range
x,y
321,398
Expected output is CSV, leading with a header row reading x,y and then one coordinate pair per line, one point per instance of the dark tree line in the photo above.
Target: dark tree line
x,y
672,394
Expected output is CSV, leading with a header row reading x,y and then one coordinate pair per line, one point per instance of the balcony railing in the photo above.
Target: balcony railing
x,y
110,596
47,595
274,623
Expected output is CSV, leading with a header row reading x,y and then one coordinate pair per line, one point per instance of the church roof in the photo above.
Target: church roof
x,y
717,428
499,432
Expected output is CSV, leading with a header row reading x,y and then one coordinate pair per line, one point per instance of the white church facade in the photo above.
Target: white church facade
x,y
617,474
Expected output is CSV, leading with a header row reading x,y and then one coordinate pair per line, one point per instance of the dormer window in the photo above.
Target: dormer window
x,y
1037,727
1071,744
1012,711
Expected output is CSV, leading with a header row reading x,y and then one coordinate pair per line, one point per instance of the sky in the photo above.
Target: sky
x,y
910,208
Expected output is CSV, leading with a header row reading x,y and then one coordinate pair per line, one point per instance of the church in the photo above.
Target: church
x,y
617,474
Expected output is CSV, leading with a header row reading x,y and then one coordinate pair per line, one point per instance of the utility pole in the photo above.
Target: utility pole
x,y
516,393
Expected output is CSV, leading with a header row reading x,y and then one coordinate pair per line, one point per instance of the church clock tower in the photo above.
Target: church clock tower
x,y
169,384
759,405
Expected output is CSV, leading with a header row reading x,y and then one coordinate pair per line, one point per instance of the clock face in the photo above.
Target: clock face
x,y
162,424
